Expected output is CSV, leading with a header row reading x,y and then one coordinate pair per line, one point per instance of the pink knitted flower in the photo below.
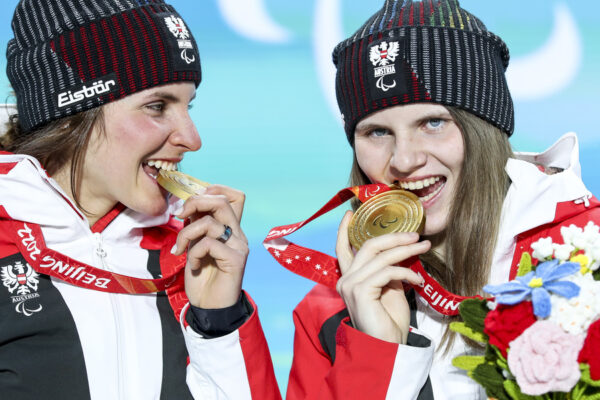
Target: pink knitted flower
x,y
544,359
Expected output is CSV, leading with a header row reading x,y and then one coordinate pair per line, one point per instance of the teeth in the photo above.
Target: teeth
x,y
164,165
430,195
415,185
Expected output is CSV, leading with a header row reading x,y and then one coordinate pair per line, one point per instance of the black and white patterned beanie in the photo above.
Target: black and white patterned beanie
x,y
69,56
414,51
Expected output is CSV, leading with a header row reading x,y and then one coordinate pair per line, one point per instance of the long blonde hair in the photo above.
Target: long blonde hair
x,y
474,220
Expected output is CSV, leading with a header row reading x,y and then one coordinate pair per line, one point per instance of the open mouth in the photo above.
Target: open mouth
x,y
426,189
151,167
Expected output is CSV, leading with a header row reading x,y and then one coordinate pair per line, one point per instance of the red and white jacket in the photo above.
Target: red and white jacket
x,y
332,360
62,341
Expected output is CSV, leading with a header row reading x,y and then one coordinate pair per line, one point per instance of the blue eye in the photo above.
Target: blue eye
x,y
158,107
380,132
435,124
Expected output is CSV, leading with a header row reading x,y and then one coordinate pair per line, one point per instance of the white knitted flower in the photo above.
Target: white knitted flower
x,y
562,251
592,251
591,230
577,314
542,249
569,233
591,238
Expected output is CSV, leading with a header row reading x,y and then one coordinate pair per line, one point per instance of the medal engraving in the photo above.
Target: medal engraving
x,y
388,212
180,184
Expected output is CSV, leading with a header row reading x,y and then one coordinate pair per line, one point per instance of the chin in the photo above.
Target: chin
x,y
152,209
433,228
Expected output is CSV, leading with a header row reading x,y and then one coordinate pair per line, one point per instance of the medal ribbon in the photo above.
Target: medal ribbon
x,y
324,269
30,241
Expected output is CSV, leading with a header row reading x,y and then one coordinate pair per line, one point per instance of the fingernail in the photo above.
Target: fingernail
x,y
178,211
174,249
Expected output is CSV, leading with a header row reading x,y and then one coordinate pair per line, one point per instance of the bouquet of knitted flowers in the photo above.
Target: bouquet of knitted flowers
x,y
541,332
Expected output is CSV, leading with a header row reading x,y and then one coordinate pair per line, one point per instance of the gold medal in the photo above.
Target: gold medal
x,y
180,184
388,212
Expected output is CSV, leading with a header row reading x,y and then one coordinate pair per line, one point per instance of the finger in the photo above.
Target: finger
x,y
372,247
385,259
205,226
236,198
372,286
216,205
224,256
343,250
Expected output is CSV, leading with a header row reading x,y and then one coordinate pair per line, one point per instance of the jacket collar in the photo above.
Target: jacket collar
x,y
534,195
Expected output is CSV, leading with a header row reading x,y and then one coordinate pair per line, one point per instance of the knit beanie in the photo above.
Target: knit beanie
x,y
414,51
69,56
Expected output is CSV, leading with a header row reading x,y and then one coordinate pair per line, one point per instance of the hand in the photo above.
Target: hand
x,y
371,281
214,270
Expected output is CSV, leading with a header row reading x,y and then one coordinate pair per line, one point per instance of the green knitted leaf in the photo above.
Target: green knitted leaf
x,y
473,313
464,330
596,274
525,264
589,393
494,356
468,363
515,393
500,360
585,376
488,376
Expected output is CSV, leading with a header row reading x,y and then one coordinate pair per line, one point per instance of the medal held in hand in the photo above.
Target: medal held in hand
x,y
179,184
392,211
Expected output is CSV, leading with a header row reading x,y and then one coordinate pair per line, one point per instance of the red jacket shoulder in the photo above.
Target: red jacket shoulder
x,y
319,305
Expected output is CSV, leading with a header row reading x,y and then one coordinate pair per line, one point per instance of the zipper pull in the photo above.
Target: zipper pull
x,y
100,252
584,199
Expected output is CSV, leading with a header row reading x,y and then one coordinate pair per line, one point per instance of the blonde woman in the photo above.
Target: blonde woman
x,y
423,95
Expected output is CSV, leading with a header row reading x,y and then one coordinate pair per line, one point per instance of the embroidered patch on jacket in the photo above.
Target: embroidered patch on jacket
x,y
22,282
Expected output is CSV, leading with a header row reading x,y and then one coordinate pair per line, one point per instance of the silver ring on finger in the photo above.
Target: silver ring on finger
x,y
226,234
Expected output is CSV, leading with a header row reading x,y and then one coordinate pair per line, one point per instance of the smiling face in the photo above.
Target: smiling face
x,y
420,148
142,132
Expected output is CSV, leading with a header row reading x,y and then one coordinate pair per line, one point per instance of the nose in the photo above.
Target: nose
x,y
185,134
408,156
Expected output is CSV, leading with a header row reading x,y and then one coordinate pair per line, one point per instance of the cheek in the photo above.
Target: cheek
x,y
372,160
456,150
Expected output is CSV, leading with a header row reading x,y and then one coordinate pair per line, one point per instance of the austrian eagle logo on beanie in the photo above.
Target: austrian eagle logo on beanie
x,y
382,57
387,75
180,31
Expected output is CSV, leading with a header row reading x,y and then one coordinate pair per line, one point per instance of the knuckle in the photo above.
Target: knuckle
x,y
338,286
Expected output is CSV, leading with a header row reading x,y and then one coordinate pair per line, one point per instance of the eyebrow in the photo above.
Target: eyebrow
x,y
367,126
427,115
169,96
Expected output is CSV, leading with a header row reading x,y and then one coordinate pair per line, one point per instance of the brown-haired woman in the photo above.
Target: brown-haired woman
x,y
105,295
425,104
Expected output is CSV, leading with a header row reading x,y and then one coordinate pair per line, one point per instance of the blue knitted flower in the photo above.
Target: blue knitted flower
x,y
538,284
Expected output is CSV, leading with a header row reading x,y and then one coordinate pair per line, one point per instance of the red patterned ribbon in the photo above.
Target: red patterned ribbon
x,y
324,269
30,241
